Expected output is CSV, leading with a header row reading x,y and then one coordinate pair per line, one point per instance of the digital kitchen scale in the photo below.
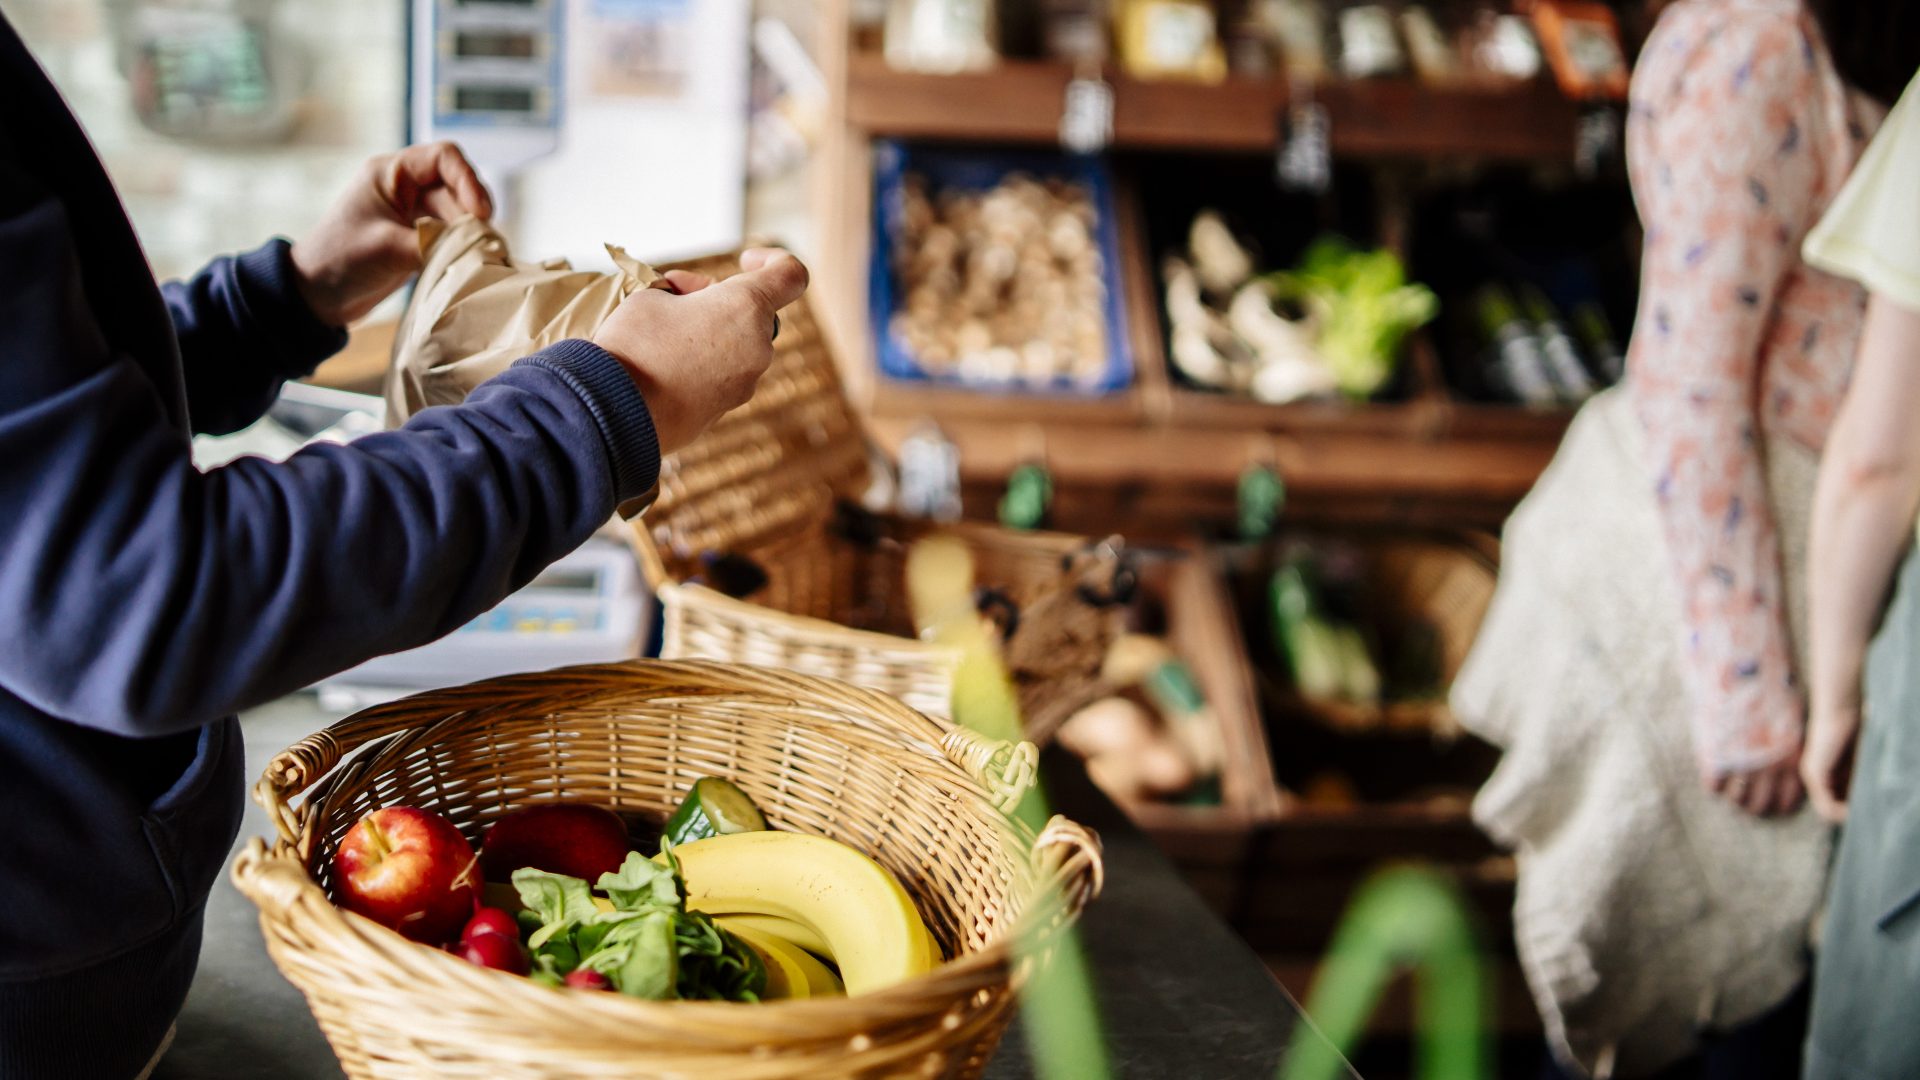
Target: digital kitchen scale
x,y
487,74
590,607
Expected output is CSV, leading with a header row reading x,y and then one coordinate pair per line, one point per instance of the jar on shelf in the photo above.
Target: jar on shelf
x,y
1076,31
941,36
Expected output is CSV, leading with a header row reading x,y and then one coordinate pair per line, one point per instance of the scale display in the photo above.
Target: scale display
x,y
482,65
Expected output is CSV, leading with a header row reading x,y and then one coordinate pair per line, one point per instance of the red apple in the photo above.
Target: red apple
x,y
588,979
408,870
576,839
490,920
497,951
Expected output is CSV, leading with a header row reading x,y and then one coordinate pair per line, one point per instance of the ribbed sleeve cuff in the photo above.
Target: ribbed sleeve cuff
x,y
276,313
618,410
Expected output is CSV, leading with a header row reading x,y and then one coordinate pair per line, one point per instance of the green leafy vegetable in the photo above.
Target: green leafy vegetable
x,y
1364,305
639,955
649,946
641,882
556,900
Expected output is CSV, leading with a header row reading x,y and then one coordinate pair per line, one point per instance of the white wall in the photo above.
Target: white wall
x,y
661,177
191,201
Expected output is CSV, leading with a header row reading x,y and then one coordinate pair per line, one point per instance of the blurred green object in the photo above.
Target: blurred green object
x,y
1029,495
1364,307
1062,1016
1262,495
1328,658
1403,918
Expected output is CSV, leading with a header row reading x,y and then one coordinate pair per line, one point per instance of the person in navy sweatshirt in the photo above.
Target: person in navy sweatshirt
x,y
143,603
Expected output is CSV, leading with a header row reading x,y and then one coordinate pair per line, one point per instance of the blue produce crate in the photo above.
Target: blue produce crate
x,y
974,170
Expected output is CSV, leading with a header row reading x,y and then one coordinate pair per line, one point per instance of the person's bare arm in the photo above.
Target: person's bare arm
x,y
1864,507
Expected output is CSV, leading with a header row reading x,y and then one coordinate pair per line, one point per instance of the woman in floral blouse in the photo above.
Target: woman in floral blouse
x,y
1739,139
1638,665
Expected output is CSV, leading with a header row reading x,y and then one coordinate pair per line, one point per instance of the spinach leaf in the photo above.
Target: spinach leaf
x,y
558,901
638,955
640,882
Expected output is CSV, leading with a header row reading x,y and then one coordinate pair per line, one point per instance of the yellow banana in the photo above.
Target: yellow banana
x,y
854,903
785,979
785,929
802,974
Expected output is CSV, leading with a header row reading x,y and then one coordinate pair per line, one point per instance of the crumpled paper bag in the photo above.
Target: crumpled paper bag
x,y
476,309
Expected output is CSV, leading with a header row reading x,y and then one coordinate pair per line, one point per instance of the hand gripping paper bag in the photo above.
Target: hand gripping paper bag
x,y
476,309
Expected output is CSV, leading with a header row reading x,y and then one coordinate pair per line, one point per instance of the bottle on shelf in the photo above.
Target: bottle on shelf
x,y
1513,363
1569,375
1602,348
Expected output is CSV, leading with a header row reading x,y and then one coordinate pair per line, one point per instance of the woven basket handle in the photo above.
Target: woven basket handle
x,y
294,769
1006,769
275,885
288,774
1067,857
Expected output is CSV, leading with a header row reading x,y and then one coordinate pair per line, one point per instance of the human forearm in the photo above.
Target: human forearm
x,y
243,330
146,597
1865,504
1723,550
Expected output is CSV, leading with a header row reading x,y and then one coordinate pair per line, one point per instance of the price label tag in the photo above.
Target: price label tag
x,y
929,476
1305,161
1596,139
1086,116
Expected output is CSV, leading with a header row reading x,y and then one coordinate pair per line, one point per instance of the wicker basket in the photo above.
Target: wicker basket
x,y
776,481
924,798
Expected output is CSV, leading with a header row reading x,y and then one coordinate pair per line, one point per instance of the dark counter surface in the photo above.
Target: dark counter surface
x,y
1180,995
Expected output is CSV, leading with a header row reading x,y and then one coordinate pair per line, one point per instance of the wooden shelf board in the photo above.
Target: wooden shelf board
x,y
1019,101
1403,118
902,400
1473,419
1351,466
1421,418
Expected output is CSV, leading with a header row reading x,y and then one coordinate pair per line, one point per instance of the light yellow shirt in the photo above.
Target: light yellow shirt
x,y
1871,233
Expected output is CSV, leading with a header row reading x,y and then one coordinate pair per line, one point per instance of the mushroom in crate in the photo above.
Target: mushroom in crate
x,y
1160,744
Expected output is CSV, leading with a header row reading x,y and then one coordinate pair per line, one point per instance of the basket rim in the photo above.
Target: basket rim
x,y
873,641
277,880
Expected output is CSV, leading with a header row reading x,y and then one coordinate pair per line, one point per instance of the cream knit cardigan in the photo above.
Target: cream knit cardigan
x,y
1648,908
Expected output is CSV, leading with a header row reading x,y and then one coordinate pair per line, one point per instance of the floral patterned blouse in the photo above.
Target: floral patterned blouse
x,y
1739,134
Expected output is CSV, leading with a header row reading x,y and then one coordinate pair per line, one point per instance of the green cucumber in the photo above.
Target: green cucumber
x,y
714,807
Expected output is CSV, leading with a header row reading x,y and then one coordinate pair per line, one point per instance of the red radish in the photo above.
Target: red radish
x,y
588,979
490,920
497,951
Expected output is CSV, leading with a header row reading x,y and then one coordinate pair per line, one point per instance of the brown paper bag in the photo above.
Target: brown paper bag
x,y
476,310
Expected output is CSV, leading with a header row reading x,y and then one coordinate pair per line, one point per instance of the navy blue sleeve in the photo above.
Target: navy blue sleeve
x,y
141,596
243,330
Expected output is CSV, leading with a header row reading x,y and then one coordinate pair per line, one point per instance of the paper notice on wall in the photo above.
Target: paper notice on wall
x,y
638,48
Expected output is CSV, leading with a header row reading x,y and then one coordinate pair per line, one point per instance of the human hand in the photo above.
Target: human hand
x,y
700,350
1764,791
1827,765
366,247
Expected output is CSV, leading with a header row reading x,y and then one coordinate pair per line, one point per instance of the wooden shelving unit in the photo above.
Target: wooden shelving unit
x,y
1160,459
1162,448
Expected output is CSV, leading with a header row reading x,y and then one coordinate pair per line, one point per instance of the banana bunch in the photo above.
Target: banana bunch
x,y
798,899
